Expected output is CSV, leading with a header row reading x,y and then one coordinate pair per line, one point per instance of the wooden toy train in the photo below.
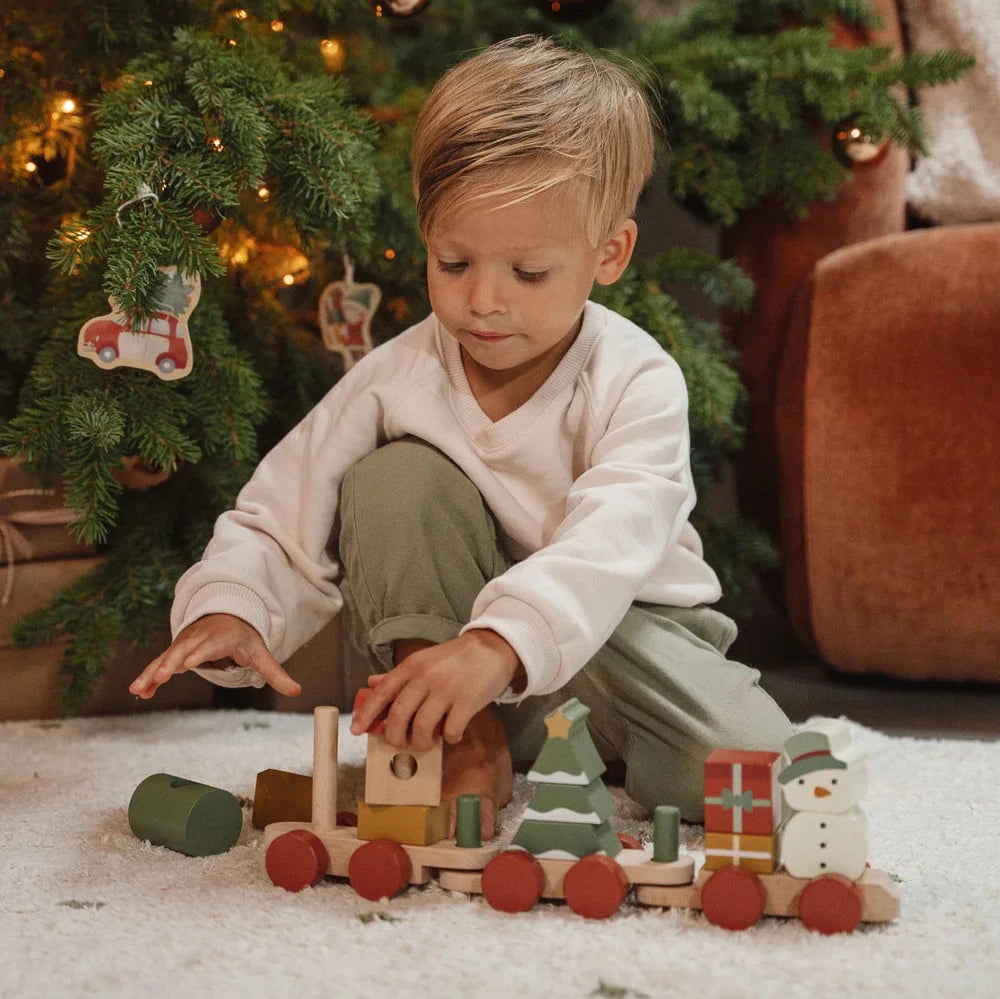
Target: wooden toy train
x,y
566,849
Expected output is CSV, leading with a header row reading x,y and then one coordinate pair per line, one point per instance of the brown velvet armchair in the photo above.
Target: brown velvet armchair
x,y
872,358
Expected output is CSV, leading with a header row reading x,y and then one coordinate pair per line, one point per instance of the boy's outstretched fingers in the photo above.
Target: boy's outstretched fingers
x,y
207,640
259,659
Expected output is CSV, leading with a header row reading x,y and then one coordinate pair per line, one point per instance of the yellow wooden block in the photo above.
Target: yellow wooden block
x,y
417,825
755,853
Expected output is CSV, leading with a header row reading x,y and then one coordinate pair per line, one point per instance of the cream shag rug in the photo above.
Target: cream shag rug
x,y
86,909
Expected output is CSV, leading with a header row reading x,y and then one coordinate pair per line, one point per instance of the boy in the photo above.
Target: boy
x,y
508,481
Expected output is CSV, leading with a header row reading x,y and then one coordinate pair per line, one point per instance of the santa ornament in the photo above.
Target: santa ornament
x,y
345,315
823,782
159,343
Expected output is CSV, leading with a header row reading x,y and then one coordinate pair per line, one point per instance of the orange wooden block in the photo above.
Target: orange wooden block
x,y
281,796
755,853
417,825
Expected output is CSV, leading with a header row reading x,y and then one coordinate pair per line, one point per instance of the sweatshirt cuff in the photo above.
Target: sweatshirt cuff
x,y
226,598
530,636
239,601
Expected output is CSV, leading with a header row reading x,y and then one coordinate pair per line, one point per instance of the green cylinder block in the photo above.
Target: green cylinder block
x,y
666,833
468,821
185,816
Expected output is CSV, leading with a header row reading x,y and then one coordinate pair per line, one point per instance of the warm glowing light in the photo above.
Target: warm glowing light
x,y
147,83
82,235
277,25
68,106
390,254
232,41
30,166
332,50
216,143
240,15
263,193
289,279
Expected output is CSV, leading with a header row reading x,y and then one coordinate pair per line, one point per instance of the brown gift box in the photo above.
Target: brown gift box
x,y
33,520
32,585
32,683
31,680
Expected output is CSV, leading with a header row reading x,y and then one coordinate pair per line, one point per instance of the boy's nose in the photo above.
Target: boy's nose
x,y
485,298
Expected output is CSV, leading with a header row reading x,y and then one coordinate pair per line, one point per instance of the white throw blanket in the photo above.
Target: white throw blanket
x,y
86,909
959,181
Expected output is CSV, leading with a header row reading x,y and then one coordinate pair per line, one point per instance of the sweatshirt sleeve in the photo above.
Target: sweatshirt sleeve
x,y
559,605
268,561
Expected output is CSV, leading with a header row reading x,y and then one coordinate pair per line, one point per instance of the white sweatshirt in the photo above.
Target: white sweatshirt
x,y
589,481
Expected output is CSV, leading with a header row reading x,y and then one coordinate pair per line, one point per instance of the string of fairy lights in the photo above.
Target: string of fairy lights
x,y
60,134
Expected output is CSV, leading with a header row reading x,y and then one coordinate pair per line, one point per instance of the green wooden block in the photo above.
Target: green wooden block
x,y
185,816
565,803
666,833
566,840
568,755
468,821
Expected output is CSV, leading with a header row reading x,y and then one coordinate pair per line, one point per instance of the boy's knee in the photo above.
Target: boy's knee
x,y
403,477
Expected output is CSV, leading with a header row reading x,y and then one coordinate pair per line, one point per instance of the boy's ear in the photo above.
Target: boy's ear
x,y
616,252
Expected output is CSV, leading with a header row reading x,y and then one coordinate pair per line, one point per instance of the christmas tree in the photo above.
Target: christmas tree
x,y
255,147
568,816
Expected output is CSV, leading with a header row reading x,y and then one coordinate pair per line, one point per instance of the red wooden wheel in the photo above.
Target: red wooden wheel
x,y
733,898
595,886
379,869
512,881
296,860
831,904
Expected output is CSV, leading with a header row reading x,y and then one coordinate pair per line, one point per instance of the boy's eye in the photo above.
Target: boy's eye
x,y
531,277
451,266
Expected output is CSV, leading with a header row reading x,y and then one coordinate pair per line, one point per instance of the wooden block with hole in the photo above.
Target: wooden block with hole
x,y
399,776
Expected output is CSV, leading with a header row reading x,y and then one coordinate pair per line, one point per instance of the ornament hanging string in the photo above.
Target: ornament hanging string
x,y
143,194
348,270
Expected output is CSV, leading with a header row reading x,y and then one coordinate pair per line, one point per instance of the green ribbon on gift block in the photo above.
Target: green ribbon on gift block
x,y
744,800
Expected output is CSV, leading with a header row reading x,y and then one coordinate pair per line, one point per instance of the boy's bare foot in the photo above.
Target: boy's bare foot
x,y
480,764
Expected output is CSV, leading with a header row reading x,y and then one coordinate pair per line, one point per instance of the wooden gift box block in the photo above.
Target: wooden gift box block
x,y
742,794
755,853
35,519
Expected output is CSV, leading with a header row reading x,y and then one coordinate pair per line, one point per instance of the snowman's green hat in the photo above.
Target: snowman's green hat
x,y
809,751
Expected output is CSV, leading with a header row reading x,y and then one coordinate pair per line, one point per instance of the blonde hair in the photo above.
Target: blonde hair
x,y
526,115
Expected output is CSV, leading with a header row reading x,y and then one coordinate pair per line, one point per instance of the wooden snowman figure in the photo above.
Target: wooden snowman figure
x,y
824,780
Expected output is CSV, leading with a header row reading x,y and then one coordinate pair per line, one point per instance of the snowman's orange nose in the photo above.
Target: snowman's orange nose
x,y
821,792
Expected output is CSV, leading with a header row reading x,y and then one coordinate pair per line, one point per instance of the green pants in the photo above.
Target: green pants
x,y
418,543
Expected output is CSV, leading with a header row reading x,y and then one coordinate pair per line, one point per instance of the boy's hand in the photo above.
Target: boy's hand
x,y
452,681
213,637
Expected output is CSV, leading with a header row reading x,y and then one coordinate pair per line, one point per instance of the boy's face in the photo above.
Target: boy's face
x,y
510,283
